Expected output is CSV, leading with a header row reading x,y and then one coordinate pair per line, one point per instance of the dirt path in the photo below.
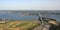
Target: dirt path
x,y
42,27
38,27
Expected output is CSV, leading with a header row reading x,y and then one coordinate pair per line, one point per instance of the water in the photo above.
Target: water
x,y
25,17
18,17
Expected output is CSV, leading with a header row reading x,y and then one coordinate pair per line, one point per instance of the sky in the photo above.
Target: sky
x,y
29,4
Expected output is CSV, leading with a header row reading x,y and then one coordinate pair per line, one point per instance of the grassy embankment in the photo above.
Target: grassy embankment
x,y
19,25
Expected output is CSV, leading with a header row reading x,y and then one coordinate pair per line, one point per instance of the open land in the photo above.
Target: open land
x,y
19,25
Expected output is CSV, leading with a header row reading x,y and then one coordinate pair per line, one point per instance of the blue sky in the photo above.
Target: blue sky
x,y
29,4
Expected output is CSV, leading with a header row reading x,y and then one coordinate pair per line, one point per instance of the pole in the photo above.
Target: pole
x,y
40,16
42,24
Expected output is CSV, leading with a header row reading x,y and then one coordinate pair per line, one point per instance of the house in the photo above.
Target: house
x,y
2,20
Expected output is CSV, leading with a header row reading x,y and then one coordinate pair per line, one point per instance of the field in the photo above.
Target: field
x,y
19,25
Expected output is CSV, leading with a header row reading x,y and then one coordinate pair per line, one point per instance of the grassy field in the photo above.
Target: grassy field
x,y
19,25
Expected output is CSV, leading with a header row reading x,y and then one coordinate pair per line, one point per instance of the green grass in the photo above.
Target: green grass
x,y
20,25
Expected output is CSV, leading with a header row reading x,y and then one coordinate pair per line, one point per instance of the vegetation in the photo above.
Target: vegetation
x,y
19,25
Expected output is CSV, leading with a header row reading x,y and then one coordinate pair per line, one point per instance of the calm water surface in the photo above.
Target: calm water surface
x,y
26,17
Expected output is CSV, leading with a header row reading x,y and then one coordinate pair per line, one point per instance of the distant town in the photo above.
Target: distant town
x,y
30,12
